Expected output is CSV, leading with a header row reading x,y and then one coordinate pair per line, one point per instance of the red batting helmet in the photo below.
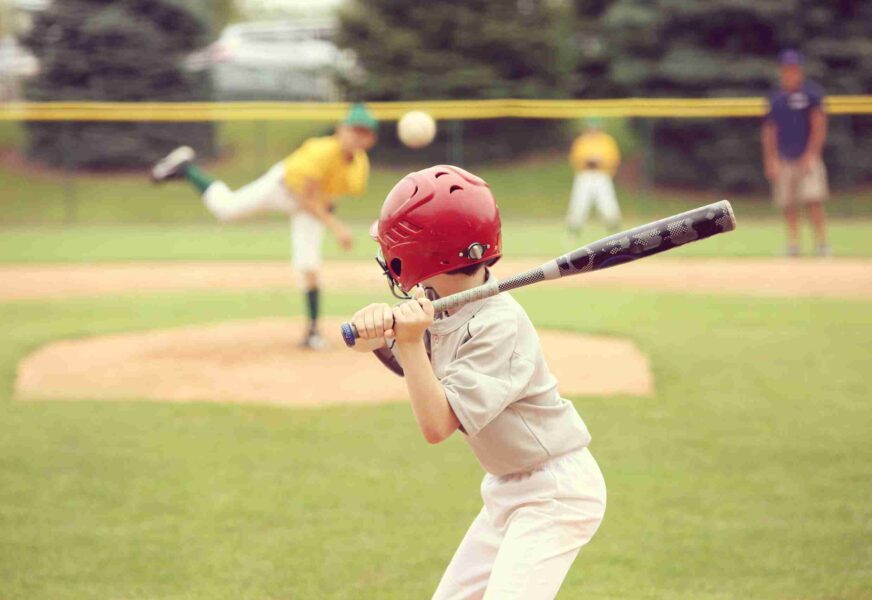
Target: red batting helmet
x,y
434,221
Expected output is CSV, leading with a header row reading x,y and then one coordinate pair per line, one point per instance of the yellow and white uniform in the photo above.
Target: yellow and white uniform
x,y
319,160
595,158
322,160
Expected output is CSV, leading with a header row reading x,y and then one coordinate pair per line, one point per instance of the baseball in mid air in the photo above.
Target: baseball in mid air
x,y
416,129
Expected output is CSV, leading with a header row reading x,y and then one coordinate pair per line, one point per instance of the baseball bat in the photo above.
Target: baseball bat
x,y
633,244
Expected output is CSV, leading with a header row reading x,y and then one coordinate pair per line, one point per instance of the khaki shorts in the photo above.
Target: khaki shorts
x,y
795,186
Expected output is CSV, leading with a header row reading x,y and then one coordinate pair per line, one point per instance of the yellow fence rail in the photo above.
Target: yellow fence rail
x,y
388,111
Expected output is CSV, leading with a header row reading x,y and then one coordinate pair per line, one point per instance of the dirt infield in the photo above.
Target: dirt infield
x,y
258,361
842,278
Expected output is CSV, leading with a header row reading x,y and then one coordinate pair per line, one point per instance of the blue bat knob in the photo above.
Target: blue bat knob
x,y
349,334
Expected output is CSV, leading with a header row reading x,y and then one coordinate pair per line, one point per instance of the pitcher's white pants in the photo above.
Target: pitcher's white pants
x,y
529,532
592,187
270,194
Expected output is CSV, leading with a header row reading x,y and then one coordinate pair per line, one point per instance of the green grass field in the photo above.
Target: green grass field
x,y
748,475
43,217
534,189
270,241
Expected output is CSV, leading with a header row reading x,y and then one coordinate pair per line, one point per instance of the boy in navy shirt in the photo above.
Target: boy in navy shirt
x,y
794,132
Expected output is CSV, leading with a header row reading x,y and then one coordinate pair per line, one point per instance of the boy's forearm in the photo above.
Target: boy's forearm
x,y
372,345
434,415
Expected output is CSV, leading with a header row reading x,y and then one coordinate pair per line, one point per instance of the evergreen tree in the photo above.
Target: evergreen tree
x,y
223,13
463,49
119,51
728,48
593,53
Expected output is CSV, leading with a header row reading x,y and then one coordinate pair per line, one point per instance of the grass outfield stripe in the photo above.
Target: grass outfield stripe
x,y
751,464
269,241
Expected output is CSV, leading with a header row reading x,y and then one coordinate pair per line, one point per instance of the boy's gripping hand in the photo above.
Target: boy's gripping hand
x,y
374,322
412,318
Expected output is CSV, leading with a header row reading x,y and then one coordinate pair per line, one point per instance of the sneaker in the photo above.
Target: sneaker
x,y
314,341
791,251
824,251
173,164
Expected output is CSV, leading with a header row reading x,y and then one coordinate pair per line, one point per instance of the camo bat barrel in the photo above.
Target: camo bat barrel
x,y
646,240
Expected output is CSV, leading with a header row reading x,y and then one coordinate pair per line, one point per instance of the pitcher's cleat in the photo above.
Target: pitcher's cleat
x,y
314,341
173,164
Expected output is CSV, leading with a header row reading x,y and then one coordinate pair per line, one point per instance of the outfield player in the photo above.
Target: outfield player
x,y
305,185
480,370
595,158
794,133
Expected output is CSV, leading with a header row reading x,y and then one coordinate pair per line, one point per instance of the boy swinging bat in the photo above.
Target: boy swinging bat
x,y
472,363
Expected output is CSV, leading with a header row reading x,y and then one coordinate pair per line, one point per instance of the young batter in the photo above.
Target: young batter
x,y
480,370
305,185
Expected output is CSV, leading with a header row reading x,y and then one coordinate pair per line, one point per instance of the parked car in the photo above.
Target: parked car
x,y
16,64
275,61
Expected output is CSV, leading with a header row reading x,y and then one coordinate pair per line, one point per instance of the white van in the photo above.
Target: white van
x,y
275,61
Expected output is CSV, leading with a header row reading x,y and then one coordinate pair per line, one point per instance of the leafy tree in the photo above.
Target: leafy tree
x,y
728,48
121,51
224,12
463,49
593,55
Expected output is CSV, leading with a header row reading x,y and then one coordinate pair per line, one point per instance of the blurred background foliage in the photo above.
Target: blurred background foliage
x,y
118,51
463,50
131,50
621,48
670,48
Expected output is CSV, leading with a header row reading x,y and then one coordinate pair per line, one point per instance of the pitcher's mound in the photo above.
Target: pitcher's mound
x,y
259,361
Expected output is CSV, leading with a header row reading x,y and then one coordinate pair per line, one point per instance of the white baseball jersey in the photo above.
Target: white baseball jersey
x,y
544,495
488,358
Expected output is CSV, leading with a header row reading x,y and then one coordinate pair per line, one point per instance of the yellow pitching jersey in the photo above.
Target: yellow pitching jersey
x,y
595,150
323,161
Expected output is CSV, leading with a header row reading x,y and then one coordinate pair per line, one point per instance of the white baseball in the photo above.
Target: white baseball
x,y
416,129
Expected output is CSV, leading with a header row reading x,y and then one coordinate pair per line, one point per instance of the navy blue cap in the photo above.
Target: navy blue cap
x,y
790,57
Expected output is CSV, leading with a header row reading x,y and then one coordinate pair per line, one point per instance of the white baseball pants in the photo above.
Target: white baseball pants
x,y
270,194
528,533
592,188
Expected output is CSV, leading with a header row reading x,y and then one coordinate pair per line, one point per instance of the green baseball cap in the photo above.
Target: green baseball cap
x,y
596,122
359,116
